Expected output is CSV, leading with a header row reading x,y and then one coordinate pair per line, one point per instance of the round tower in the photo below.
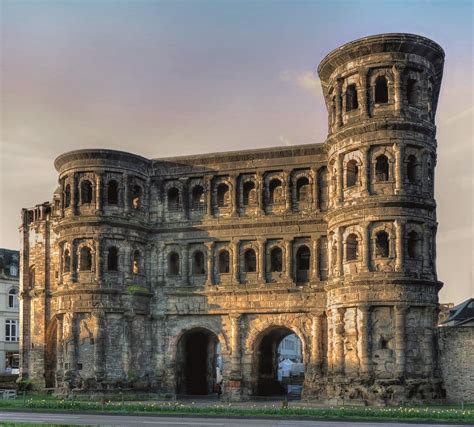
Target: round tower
x,y
381,94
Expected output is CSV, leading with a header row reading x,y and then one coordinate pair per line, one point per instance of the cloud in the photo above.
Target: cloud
x,y
285,141
305,80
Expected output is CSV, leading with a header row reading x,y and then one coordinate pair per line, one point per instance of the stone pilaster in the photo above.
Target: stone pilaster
x,y
364,171
339,340
210,263
366,246
399,241
314,259
208,180
288,259
185,263
339,103
235,261
363,327
362,93
98,193
261,273
397,88
399,156
400,339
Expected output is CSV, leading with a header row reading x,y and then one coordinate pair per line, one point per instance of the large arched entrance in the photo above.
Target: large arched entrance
x,y
278,363
196,362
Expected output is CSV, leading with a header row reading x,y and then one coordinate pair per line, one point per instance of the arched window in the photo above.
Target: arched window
x,y
86,192
351,98
136,197
276,191
352,174
250,261
223,195
85,259
198,264
198,201
112,192
174,200
224,262
381,90
352,247
412,169
136,262
323,190
412,92
13,301
276,259
66,261
67,196
173,264
112,259
382,245
382,169
249,193
303,190
413,245
303,257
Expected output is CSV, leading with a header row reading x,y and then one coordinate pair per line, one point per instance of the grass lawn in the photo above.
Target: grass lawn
x,y
407,413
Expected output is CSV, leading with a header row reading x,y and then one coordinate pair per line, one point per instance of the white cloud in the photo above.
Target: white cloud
x,y
285,141
306,80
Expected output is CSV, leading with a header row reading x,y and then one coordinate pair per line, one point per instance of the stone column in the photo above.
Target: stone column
x,y
74,194
314,173
288,259
340,252
400,339
235,370
210,263
261,273
399,155
259,181
161,261
314,259
340,179
126,193
363,343
429,326
364,171
397,88
99,346
399,241
185,196
98,193
366,246
208,180
235,198
61,203
235,261
288,200
339,103
339,340
98,270
127,347
59,346
71,344
316,350
185,263
362,93
426,248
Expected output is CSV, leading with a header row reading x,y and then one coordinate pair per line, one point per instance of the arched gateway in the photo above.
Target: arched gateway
x,y
151,274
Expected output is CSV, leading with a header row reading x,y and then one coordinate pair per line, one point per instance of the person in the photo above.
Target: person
x,y
219,390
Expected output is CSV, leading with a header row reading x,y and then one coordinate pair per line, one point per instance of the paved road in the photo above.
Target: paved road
x,y
127,420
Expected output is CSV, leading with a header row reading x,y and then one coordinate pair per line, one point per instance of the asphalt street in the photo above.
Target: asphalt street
x,y
134,420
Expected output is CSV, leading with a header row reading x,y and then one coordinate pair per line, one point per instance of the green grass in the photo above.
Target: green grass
x,y
413,413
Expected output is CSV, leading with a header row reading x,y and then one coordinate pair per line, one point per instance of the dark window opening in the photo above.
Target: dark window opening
x,y
412,92
303,190
86,192
303,257
249,194
413,245
250,261
198,200
174,200
383,344
382,169
67,196
381,90
276,191
136,262
66,261
136,197
173,264
382,245
412,172
276,260
351,98
13,301
85,261
352,174
352,247
112,192
224,262
112,259
198,264
323,190
223,195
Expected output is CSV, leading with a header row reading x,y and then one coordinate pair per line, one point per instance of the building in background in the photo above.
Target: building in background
x,y
9,311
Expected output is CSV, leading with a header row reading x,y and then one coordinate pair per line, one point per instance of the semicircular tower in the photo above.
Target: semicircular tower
x,y
381,94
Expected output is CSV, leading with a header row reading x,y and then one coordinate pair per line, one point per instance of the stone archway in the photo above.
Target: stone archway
x,y
266,381
50,355
196,362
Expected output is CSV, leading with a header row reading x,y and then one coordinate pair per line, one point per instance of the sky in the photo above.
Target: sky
x,y
166,78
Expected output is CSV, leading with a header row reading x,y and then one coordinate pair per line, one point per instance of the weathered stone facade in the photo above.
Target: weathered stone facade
x,y
138,268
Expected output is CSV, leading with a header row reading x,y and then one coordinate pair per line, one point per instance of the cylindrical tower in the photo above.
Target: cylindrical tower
x,y
381,93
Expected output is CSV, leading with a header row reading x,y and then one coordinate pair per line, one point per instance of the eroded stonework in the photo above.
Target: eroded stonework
x,y
138,268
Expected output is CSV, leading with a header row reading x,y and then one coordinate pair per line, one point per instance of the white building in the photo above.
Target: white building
x,y
9,311
290,348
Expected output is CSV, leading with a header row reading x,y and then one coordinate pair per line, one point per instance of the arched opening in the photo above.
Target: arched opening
x,y
303,190
224,262
223,195
13,301
276,259
199,268
412,92
50,360
86,192
250,261
196,362
412,169
198,201
278,367
174,201
249,193
323,191
136,197
173,264
112,259
352,174
413,245
66,261
85,259
112,192
351,98
382,245
381,90
382,169
352,247
67,196
136,262
303,260
276,192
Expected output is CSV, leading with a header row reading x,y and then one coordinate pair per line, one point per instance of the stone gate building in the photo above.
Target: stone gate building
x,y
137,269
